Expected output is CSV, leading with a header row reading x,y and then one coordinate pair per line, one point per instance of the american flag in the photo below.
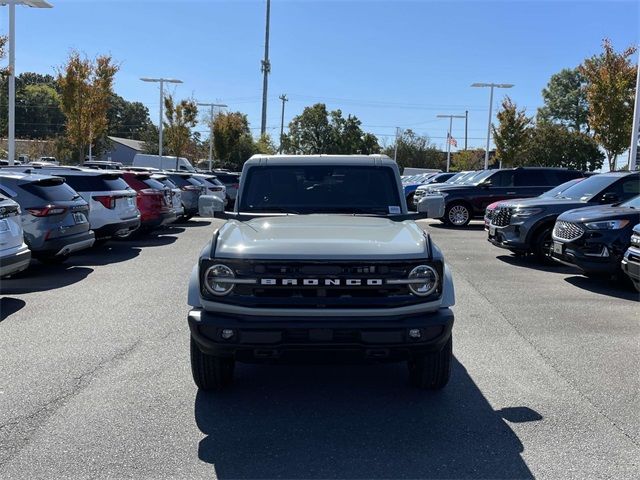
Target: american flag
x,y
452,141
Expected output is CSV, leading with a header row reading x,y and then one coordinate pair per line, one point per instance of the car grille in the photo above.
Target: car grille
x,y
567,230
342,296
501,217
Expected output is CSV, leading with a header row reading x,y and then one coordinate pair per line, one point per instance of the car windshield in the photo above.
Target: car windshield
x,y
554,192
479,177
456,177
321,189
633,203
588,188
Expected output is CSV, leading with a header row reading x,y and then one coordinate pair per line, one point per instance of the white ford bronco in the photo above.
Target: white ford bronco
x,y
320,261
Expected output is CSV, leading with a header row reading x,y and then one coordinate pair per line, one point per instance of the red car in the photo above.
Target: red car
x,y
153,200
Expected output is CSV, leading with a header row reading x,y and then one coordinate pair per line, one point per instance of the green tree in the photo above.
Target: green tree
x,y
38,113
417,151
467,160
511,133
85,91
565,100
317,131
610,91
4,71
127,119
265,145
180,118
551,145
232,139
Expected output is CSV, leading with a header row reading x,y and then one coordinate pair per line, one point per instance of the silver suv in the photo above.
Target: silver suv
x,y
54,216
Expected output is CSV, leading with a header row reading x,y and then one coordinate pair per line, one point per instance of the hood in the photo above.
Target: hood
x,y
561,204
600,212
321,236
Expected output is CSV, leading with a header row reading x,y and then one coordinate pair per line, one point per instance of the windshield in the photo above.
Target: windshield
x,y
633,203
457,177
321,189
588,188
560,188
479,177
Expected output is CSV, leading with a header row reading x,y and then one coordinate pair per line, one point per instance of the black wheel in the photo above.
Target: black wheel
x,y
432,371
543,246
410,202
457,215
210,373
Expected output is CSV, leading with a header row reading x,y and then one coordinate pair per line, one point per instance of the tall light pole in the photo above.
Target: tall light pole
x,y
284,99
211,105
450,117
633,151
266,69
161,81
395,148
12,69
492,86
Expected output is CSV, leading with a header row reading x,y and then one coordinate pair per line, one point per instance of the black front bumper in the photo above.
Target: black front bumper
x,y
118,229
266,339
631,264
588,254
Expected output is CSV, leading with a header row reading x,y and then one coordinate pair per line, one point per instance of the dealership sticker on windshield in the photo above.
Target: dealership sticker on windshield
x,y
394,209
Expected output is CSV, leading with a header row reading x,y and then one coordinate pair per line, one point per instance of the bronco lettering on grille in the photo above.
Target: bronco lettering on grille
x,y
327,282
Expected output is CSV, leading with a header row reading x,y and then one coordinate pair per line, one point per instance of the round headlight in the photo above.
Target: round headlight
x,y
215,280
428,280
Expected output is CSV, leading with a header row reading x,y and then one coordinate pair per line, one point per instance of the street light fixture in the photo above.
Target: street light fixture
x,y
211,105
492,86
450,117
161,81
12,68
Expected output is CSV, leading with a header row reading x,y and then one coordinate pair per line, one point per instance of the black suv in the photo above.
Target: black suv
x,y
469,200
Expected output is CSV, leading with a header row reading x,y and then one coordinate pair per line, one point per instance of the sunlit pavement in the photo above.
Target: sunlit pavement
x,y
95,379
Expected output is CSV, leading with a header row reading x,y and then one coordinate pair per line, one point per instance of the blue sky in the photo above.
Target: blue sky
x,y
391,63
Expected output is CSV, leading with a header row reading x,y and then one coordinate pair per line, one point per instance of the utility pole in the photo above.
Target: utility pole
x,y
284,99
395,148
466,127
633,151
211,106
266,69
450,117
492,86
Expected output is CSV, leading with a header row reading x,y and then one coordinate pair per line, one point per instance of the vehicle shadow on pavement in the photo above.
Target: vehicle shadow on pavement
x,y
193,223
106,254
9,306
604,286
159,239
41,278
471,226
531,262
356,422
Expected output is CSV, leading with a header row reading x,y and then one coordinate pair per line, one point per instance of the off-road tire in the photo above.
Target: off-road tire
x,y
457,210
210,373
432,371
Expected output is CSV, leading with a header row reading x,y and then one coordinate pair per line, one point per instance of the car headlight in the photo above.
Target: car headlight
x,y
428,280
526,212
607,225
216,280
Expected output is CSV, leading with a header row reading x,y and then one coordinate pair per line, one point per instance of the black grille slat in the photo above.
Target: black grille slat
x,y
567,230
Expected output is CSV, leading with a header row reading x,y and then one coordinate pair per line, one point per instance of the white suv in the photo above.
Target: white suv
x,y
14,253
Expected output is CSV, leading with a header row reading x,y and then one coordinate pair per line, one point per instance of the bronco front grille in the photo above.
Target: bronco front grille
x,y
567,230
501,217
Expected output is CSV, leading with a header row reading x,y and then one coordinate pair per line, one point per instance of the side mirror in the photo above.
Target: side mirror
x,y
485,184
208,205
610,197
432,206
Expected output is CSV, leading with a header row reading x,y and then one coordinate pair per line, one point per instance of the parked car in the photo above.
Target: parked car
x,y
190,188
51,160
488,213
595,239
631,261
54,216
456,179
469,200
15,255
176,193
526,226
412,183
231,181
162,162
153,200
112,203
102,165
212,186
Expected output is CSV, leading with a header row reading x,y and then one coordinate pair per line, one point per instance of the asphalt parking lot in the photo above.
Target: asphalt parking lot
x,y
95,379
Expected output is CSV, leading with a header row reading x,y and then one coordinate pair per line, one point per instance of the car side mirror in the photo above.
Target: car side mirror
x,y
209,205
432,206
484,184
610,197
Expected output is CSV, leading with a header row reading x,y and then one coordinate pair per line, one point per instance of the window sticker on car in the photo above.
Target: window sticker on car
x,y
394,209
